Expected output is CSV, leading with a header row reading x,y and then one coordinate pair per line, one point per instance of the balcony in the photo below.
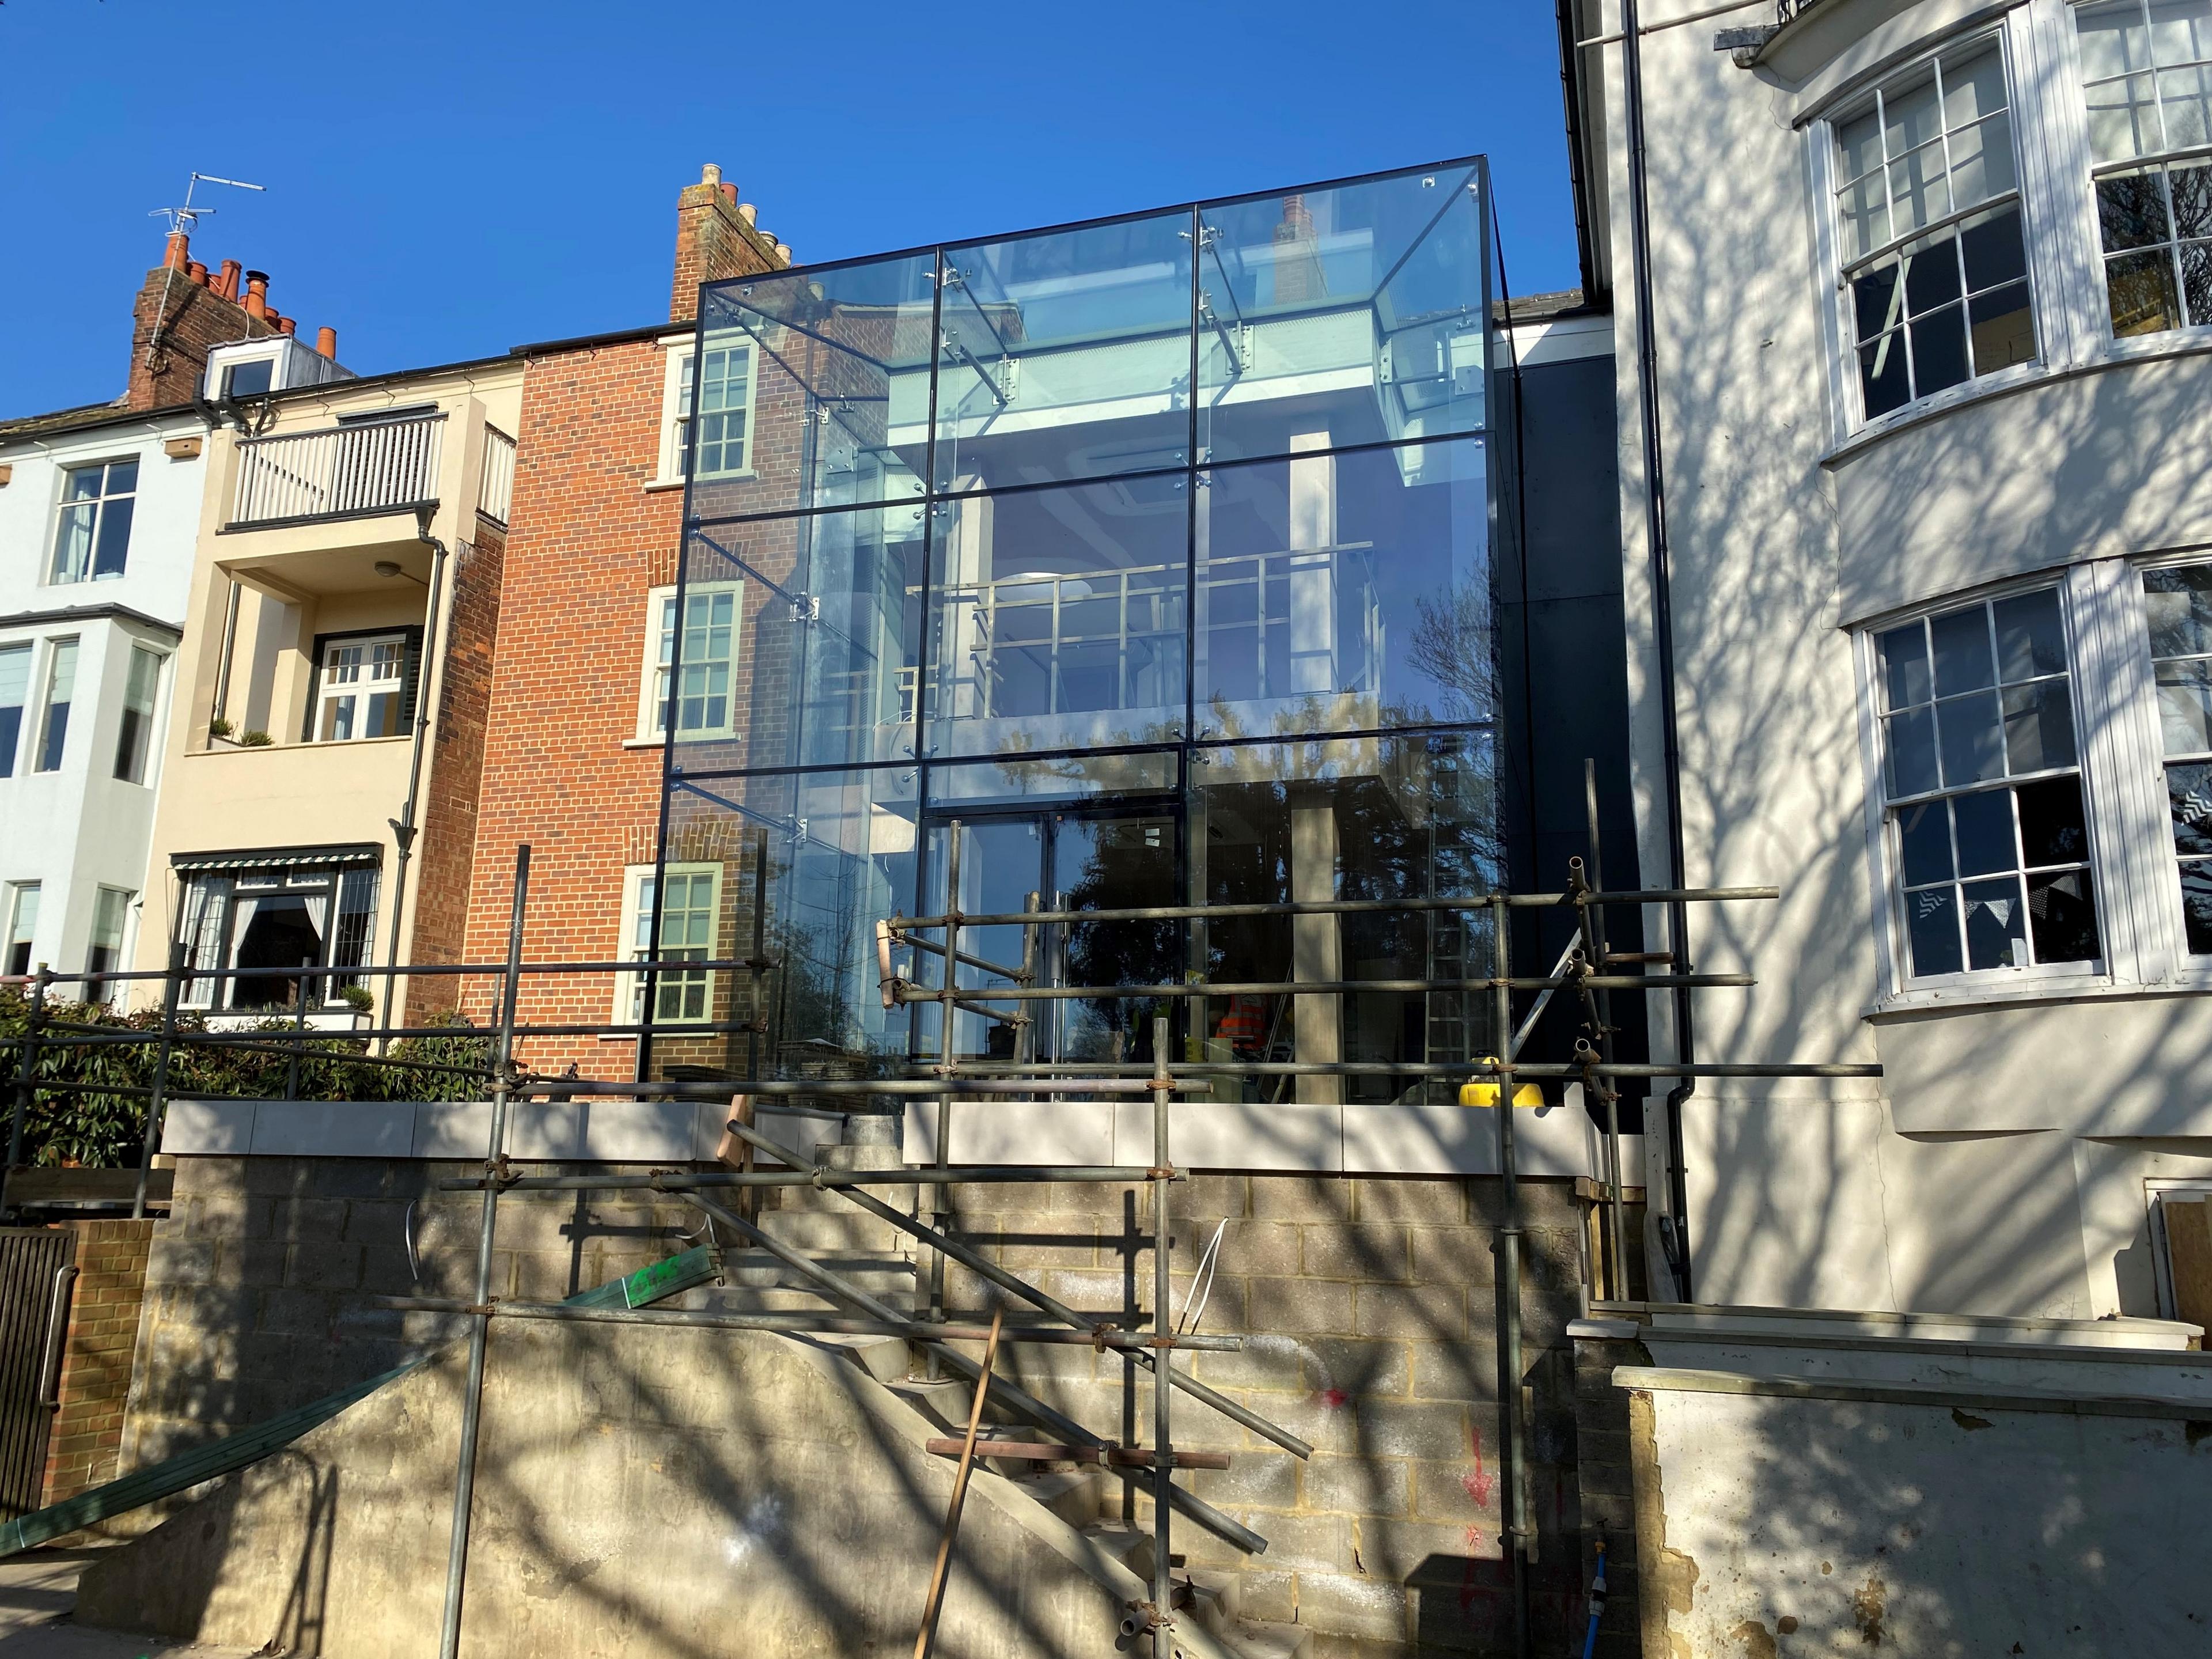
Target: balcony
x,y
354,470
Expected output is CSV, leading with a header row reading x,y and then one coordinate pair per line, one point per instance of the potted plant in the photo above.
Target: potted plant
x,y
221,734
255,739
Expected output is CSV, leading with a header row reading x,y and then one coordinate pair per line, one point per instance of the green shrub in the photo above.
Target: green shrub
x,y
100,1130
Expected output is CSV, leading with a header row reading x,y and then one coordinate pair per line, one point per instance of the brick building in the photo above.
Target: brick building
x,y
572,753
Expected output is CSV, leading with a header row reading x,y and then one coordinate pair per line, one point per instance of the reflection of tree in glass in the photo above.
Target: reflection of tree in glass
x,y
1125,864
1454,649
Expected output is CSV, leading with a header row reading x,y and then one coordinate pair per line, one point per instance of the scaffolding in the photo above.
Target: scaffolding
x,y
1587,970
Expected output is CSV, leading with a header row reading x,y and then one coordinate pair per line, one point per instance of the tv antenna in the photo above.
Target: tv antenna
x,y
183,219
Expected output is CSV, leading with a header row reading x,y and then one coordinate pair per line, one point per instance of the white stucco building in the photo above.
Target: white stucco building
x,y
99,510
1929,306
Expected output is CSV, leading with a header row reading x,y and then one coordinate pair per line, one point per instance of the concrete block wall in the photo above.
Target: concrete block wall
x,y
96,1359
1370,1304
1605,1473
257,1283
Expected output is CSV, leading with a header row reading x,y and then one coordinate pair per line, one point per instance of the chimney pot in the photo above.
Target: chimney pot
x,y
326,343
730,193
227,281
257,294
783,252
710,174
287,326
196,274
179,253
748,212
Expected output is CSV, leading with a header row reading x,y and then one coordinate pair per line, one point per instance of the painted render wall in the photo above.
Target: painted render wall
x,y
1958,1181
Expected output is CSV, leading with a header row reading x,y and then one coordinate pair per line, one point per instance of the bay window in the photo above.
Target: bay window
x,y
261,917
2178,619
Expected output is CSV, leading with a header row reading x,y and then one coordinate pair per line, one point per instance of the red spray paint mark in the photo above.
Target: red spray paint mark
x,y
1467,1588
1477,1480
1334,1398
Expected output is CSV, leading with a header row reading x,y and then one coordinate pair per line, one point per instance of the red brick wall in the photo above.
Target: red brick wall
x,y
715,241
103,1334
585,541
448,809
192,318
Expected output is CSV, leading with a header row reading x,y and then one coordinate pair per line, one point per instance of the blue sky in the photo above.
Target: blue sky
x,y
448,180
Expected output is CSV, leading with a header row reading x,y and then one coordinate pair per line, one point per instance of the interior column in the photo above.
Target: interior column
x,y
1317,950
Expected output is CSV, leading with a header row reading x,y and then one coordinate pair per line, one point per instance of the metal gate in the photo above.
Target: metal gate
x,y
36,1267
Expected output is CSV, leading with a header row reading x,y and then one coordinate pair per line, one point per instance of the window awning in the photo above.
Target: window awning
x,y
347,854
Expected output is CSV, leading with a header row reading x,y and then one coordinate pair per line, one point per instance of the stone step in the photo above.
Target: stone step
x,y
1259,1639
821,1232
789,1296
1071,1494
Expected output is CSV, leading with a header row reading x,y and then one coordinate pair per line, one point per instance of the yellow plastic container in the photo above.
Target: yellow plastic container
x,y
1484,1091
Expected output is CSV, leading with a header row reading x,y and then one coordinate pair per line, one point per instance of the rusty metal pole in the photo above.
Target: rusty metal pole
x,y
464,1474
26,1073
173,984
926,1643
1508,1295
1163,1173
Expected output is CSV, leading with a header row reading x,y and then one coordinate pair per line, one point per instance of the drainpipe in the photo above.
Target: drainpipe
x,y
404,827
1662,621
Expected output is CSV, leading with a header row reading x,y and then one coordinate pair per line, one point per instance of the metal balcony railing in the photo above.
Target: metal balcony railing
x,y
496,494
343,471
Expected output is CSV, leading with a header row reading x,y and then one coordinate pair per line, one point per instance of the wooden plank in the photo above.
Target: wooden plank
x,y
926,1640
2188,1253
1045,1451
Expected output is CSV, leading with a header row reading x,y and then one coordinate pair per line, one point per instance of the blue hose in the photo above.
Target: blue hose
x,y
1596,1602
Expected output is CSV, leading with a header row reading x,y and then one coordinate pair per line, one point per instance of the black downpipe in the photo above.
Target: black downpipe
x,y
1663,623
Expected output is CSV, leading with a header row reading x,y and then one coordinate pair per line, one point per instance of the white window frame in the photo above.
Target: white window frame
x,y
26,719
51,575
2122,762
149,763
367,643
676,413
16,892
1839,325
630,987
651,703
49,672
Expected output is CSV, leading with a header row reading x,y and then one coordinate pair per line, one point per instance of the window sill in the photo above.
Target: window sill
x,y
689,737
662,486
224,747
2086,988
2110,355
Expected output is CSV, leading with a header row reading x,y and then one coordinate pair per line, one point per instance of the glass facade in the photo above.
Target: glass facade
x,y
1139,563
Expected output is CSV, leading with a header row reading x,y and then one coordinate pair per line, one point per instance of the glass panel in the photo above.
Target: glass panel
x,y
1057,617
2002,327
2139,288
2184,99
1858,146
1997,924
2180,30
2196,281
14,693
2030,638
2191,188
274,931
1939,351
114,537
839,383
2131,210
1931,279
1972,87
1348,315
1066,354
73,537
1974,750
826,636
1065,779
1932,925
1983,824
1910,117
1961,639
2178,603
2184,706
803,867
1346,592
1884,380
1865,206
1912,753
2062,913
2052,827
1924,837
1904,664
2039,726
61,688
1993,251
1400,817
2197,907
2189,801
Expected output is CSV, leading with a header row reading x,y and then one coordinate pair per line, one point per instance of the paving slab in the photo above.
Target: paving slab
x,y
36,1592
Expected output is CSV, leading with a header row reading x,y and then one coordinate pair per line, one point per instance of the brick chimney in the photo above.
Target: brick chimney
x,y
716,238
196,311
